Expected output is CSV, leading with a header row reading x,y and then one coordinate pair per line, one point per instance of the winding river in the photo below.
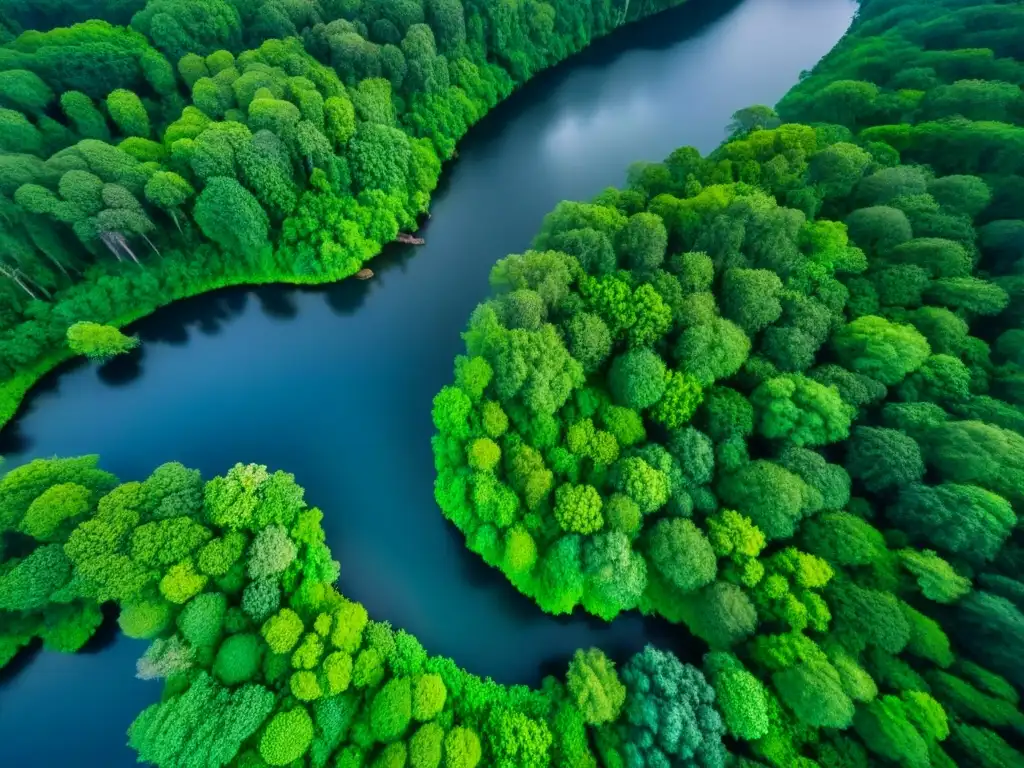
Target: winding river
x,y
335,384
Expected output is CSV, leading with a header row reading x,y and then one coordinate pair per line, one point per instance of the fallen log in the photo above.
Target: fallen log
x,y
407,239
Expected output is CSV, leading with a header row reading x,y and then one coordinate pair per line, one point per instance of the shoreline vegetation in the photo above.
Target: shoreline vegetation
x,y
264,662
246,144
774,395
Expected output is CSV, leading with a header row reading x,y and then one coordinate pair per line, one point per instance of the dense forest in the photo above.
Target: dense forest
x,y
775,394
264,662
164,148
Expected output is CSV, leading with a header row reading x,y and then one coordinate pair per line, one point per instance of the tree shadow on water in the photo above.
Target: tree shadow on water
x,y
123,369
13,441
22,661
346,297
207,314
277,302
107,632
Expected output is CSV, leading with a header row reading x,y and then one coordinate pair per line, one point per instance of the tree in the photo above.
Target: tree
x,y
461,748
695,270
772,497
866,617
661,693
885,727
829,483
681,554
615,575
523,309
590,341
145,619
961,519
99,342
740,696
128,113
595,687
682,396
946,332
228,214
516,739
888,184
272,551
972,452
878,229
813,690
446,18
643,242
984,747
28,583
942,258
179,28
653,316
883,350
391,710
340,120
578,509
169,191
836,169
721,614
971,294
800,411
46,517
750,298
428,698
712,351
86,120
282,630
201,622
988,626
754,118
380,157
941,379
883,458
425,746
24,91
726,413
637,378
181,583
646,486
287,736
843,539
451,410
238,659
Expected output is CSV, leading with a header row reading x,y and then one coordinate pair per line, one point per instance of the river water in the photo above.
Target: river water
x,y
335,384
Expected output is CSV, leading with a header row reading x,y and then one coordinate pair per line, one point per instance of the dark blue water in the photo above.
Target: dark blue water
x,y
335,384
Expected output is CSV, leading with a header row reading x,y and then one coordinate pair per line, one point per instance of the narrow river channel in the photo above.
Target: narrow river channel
x,y
335,384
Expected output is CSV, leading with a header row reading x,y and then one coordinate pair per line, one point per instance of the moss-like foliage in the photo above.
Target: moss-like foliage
x,y
218,141
302,679
774,394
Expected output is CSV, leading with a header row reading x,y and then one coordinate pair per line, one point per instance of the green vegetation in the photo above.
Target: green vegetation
x,y
774,394
157,149
264,662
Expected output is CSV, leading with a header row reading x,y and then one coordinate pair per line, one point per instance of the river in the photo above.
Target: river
x,y
335,383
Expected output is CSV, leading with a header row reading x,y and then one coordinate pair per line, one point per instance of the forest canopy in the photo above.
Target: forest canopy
x,y
264,663
151,150
773,394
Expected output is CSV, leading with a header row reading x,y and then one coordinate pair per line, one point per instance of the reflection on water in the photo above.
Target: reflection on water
x,y
335,383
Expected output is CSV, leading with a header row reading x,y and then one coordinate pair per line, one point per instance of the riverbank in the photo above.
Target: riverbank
x,y
271,375
273,270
